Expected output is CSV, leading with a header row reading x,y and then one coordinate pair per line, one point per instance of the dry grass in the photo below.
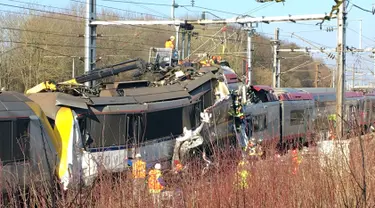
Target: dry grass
x,y
271,184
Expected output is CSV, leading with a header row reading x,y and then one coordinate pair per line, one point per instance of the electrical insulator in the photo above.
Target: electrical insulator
x,y
331,56
329,29
203,17
192,2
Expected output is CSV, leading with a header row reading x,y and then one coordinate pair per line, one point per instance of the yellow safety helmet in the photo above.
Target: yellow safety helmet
x,y
242,162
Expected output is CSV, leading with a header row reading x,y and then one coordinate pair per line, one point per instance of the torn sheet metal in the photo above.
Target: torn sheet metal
x,y
192,85
112,101
190,139
67,100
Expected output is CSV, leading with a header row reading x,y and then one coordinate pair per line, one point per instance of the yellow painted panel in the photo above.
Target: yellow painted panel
x,y
63,127
43,119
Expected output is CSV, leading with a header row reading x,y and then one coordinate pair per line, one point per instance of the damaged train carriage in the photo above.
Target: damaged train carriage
x,y
102,133
28,154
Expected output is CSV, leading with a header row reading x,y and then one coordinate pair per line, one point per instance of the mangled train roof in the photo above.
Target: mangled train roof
x,y
13,104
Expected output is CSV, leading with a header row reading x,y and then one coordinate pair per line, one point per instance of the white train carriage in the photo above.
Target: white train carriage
x,y
325,105
297,112
263,117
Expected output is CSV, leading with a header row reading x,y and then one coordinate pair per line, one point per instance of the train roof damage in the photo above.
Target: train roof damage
x,y
179,86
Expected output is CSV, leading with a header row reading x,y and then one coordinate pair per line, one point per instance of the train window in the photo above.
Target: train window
x,y
14,141
109,131
21,140
297,117
351,108
259,123
6,141
169,123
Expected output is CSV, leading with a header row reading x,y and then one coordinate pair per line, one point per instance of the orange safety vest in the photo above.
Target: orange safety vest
x,y
153,184
179,167
139,169
296,157
169,44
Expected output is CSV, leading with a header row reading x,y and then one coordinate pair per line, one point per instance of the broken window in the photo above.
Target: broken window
x,y
130,129
297,117
109,130
164,123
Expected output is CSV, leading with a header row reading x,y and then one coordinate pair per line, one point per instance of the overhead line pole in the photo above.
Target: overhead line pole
x,y
276,67
250,32
172,9
177,26
340,80
316,75
90,38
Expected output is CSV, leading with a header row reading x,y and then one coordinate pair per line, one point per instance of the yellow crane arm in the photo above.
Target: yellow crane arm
x,y
44,86
50,86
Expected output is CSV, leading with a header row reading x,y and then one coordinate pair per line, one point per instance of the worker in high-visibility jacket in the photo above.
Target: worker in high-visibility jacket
x,y
178,166
242,174
332,126
296,160
156,183
139,177
169,43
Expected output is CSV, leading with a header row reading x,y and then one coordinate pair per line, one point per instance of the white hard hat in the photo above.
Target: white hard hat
x,y
138,155
157,166
172,37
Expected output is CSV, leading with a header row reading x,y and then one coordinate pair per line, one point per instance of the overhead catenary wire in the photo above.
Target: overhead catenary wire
x,y
69,46
122,10
372,40
363,9
41,10
168,5
71,35
60,13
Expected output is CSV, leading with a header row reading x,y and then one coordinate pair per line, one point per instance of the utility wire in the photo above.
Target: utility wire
x,y
363,9
69,46
372,40
40,10
47,17
122,10
41,32
168,5
71,35
136,2
259,8
43,5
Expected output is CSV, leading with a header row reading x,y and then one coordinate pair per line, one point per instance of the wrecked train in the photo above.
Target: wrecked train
x,y
28,152
288,117
101,128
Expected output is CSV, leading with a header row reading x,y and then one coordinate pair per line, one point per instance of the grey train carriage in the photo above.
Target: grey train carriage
x,y
27,152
